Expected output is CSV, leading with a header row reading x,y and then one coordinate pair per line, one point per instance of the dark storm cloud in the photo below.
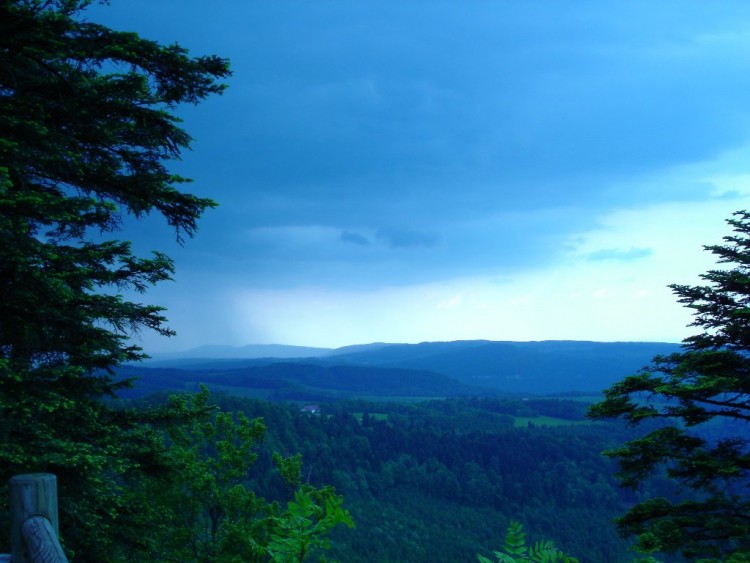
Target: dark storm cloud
x,y
343,117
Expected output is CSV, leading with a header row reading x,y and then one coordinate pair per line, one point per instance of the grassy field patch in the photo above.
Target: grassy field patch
x,y
523,421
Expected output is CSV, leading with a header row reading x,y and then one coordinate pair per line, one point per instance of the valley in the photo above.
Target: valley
x,y
435,447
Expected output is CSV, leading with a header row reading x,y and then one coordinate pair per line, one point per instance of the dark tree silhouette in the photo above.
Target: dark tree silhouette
x,y
702,395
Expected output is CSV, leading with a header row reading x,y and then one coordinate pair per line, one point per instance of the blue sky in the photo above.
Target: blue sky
x,y
410,171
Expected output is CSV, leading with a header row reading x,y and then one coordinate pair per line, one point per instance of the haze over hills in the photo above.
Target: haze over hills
x,y
528,367
220,351
426,369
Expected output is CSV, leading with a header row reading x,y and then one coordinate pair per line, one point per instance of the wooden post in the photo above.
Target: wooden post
x,y
33,519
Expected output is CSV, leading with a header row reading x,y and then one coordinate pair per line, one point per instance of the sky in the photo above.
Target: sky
x,y
413,170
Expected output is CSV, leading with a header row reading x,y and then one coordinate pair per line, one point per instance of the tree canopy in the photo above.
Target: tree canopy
x,y
697,403
87,125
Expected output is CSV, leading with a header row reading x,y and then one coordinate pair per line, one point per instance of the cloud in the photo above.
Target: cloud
x,y
354,238
620,255
406,238
390,146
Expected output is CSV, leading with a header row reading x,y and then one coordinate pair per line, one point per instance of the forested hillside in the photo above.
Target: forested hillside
x,y
516,367
440,480
427,477
436,447
297,381
522,367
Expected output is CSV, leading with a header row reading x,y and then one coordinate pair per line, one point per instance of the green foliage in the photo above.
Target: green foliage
x,y
86,129
515,549
208,512
93,449
203,507
87,126
702,398
290,468
306,523
438,480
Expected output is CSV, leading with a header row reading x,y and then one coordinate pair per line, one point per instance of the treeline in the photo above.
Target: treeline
x,y
298,381
440,480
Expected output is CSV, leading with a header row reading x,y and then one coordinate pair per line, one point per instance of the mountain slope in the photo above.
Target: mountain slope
x,y
299,381
250,351
518,367
528,367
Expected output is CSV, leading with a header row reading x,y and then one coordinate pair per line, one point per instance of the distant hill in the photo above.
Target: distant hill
x,y
526,367
251,351
454,368
299,381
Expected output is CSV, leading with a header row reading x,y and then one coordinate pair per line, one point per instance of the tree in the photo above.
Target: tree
x,y
208,513
87,125
700,398
302,529
515,549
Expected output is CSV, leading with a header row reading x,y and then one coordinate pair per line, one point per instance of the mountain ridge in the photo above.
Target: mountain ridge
x,y
535,367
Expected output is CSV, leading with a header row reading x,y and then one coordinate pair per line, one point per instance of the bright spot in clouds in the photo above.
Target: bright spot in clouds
x,y
577,298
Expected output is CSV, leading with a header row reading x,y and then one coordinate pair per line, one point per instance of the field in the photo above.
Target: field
x,y
524,421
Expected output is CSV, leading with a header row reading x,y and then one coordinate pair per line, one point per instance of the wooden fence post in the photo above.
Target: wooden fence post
x,y
33,518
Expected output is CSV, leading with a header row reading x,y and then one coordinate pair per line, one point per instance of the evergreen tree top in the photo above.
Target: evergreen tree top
x,y
700,396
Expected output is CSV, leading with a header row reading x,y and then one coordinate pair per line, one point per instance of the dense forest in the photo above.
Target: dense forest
x,y
432,467
440,480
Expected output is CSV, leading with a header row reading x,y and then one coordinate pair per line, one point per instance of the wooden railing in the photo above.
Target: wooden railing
x,y
33,520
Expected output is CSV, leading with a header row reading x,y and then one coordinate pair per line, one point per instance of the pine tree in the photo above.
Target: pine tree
x,y
701,396
87,127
